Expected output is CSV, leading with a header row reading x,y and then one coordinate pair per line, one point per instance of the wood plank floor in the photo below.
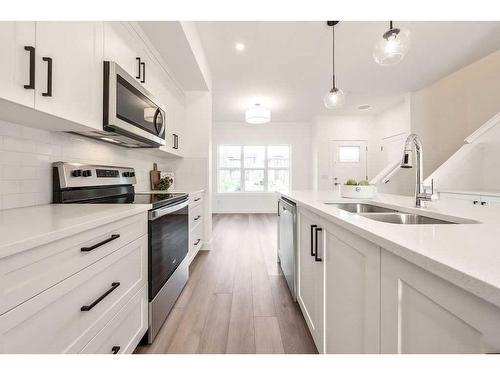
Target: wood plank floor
x,y
236,299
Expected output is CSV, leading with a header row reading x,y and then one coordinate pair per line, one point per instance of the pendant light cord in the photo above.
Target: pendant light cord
x,y
333,56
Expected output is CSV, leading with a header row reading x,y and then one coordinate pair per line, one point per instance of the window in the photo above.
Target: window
x,y
349,154
253,168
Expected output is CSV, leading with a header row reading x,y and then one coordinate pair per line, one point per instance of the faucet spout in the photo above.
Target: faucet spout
x,y
413,142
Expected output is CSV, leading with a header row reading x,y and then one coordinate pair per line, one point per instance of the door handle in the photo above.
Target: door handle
x,y
138,76
107,293
31,85
313,227
316,257
143,64
90,248
197,242
197,218
49,76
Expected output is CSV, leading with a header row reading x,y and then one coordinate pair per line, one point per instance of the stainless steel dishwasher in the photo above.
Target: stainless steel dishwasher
x,y
287,242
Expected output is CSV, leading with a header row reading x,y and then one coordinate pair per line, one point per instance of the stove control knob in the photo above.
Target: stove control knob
x,y
132,174
87,173
76,173
126,174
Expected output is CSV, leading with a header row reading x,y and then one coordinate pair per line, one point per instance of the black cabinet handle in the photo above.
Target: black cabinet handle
x,y
31,85
93,304
475,202
93,247
316,257
197,218
138,76
49,76
143,64
313,227
176,141
115,349
197,242
197,199
484,203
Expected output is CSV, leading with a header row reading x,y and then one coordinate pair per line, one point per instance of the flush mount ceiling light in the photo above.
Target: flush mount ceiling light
x,y
393,46
335,98
239,47
258,115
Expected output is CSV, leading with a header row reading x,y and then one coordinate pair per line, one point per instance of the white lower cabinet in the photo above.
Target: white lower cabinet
x,y
89,291
363,299
422,313
310,281
352,293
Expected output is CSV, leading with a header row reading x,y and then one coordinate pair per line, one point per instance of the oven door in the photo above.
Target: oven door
x,y
130,110
168,243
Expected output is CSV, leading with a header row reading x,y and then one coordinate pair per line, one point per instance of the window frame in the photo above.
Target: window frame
x,y
242,168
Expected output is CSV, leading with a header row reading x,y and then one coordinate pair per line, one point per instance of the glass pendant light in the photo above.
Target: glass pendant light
x,y
335,98
393,46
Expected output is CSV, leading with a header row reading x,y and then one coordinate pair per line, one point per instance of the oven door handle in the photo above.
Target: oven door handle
x,y
153,215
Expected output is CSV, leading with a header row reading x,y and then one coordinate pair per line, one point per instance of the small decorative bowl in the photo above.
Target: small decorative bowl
x,y
358,191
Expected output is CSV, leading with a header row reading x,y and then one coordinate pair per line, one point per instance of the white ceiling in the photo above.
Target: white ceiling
x,y
287,65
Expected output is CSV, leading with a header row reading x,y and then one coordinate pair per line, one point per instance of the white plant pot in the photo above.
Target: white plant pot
x,y
359,192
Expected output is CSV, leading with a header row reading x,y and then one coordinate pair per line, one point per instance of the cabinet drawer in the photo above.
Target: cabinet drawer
x,y
195,216
196,237
26,274
122,334
53,321
195,199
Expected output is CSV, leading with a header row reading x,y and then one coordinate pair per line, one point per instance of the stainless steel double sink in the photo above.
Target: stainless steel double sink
x,y
388,215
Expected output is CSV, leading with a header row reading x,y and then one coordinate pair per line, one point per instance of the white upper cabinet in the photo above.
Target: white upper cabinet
x,y
310,294
17,59
69,63
352,293
121,46
422,313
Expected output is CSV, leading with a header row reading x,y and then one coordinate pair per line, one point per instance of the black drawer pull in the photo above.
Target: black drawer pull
x,y
49,76
316,257
197,218
313,227
115,349
197,242
92,305
197,199
143,64
93,247
138,76
31,85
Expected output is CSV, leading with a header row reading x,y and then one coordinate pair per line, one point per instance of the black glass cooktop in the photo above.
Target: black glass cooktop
x,y
156,199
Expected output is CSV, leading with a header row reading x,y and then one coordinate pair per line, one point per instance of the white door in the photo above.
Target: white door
x,y
348,160
74,52
17,40
310,279
352,293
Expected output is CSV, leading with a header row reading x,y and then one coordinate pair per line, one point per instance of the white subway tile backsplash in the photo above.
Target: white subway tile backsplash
x,y
27,154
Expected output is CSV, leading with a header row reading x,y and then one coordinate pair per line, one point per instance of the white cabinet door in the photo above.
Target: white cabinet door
x,y
75,51
422,313
310,294
121,46
15,61
352,293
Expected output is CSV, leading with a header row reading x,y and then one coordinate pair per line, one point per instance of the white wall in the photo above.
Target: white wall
x,y
298,135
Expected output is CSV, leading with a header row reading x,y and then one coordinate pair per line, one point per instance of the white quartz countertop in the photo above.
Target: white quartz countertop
x,y
194,191
467,255
28,227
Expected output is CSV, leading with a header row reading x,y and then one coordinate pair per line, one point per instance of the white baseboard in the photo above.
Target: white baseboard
x,y
246,211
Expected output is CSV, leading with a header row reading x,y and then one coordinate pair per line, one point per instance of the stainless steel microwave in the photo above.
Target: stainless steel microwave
x,y
131,115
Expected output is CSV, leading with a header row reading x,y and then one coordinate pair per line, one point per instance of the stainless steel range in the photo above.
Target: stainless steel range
x,y
167,226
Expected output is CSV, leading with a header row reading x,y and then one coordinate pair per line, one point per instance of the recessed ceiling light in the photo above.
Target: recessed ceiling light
x,y
364,107
239,47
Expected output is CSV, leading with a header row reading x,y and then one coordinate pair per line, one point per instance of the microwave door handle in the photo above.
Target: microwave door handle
x,y
155,214
155,122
